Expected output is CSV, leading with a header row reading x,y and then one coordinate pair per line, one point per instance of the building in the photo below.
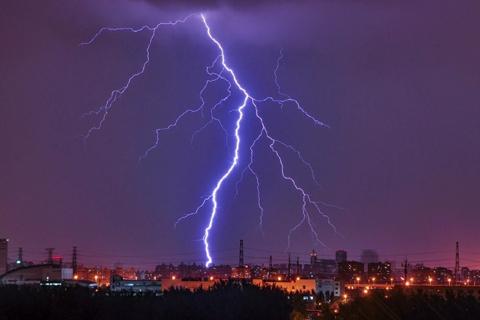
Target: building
x,y
320,268
351,271
119,285
329,288
443,275
340,256
36,274
421,274
3,256
369,256
380,272
326,268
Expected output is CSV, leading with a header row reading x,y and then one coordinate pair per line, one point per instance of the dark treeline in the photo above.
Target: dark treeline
x,y
225,301
418,306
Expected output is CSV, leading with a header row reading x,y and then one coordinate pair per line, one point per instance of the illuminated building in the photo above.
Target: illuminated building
x,y
36,274
422,274
380,272
349,271
329,288
323,268
442,274
135,286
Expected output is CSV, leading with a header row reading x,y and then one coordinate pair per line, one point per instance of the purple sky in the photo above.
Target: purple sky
x,y
398,83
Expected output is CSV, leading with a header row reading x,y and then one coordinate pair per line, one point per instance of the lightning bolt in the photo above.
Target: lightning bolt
x,y
227,75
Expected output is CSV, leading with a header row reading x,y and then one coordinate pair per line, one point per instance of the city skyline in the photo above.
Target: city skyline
x,y
253,256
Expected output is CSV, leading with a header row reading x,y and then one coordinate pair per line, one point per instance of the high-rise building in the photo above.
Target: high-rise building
x,y
340,256
3,256
351,271
380,272
369,256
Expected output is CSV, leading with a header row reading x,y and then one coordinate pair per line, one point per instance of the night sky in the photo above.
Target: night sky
x,y
397,81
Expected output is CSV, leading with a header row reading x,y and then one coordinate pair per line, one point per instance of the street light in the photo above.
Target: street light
x,y
449,281
430,280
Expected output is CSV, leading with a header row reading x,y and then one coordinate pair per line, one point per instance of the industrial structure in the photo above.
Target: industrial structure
x,y
3,256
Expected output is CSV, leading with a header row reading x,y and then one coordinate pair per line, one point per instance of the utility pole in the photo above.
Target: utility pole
x,y
298,266
313,257
74,260
20,256
270,264
50,255
405,269
289,266
457,263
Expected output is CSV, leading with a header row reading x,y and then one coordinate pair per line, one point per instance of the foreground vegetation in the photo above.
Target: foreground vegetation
x,y
420,305
225,301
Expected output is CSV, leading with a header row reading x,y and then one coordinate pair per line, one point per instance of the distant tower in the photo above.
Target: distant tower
x,y
405,269
241,262
74,260
340,256
3,256
289,265
50,255
457,263
313,257
20,256
270,263
298,266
